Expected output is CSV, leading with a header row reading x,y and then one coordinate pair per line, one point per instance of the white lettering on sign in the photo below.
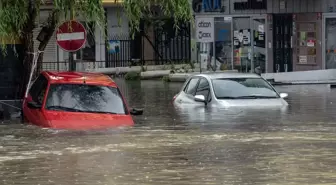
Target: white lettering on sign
x,y
205,29
70,36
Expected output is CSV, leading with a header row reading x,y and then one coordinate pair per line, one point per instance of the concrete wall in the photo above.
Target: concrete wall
x,y
304,76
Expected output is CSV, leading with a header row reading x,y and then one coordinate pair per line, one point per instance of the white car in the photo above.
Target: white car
x,y
225,90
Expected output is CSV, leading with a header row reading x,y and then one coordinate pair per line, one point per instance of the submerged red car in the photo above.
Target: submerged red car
x,y
76,100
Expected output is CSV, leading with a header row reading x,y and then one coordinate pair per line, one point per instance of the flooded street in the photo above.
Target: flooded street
x,y
189,146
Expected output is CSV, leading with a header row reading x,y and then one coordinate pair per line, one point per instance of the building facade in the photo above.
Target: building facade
x,y
275,35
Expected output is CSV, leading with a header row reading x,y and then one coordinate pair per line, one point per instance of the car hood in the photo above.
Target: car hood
x,y
257,103
74,120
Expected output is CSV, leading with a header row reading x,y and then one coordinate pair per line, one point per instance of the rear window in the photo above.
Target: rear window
x,y
85,98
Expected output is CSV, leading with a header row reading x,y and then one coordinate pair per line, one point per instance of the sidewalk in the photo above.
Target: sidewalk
x,y
303,77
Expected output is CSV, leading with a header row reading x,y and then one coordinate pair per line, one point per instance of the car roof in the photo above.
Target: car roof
x,y
79,77
228,75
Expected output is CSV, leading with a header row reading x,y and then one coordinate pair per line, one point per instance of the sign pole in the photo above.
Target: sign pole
x,y
72,67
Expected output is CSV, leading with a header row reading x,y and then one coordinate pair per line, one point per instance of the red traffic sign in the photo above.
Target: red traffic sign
x,y
71,36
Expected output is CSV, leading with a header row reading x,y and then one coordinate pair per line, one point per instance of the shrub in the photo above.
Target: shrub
x,y
132,76
166,79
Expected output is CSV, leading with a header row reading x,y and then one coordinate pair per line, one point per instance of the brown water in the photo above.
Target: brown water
x,y
170,146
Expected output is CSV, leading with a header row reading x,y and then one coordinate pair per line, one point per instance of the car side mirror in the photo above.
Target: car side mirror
x,y
283,95
136,112
34,105
199,98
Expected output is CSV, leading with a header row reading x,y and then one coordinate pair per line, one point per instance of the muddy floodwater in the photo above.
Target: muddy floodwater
x,y
183,146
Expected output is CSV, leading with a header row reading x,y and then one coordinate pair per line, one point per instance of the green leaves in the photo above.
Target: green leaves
x,y
136,10
18,17
13,17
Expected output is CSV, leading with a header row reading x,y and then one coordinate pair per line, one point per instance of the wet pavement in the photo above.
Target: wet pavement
x,y
189,146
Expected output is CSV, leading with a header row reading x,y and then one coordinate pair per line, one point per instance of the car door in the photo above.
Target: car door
x,y
188,93
203,88
37,94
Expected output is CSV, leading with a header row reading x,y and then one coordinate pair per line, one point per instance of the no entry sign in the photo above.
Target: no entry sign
x,y
71,36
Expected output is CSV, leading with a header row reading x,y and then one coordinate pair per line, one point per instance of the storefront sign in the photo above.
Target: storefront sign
x,y
207,6
205,29
250,5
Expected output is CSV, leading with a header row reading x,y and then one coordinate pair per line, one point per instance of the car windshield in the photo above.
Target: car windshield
x,y
243,88
85,98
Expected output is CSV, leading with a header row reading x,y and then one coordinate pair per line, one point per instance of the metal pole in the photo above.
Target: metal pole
x,y
72,66
57,51
71,62
198,45
214,54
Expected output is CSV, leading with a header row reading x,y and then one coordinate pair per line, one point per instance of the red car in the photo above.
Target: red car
x,y
76,100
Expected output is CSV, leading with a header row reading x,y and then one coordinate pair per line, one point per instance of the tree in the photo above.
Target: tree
x,y
18,17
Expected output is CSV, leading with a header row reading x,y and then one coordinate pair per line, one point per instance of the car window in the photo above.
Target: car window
x,y
204,89
85,98
191,88
242,87
38,89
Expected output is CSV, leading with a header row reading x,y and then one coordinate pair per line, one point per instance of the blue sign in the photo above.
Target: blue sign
x,y
222,35
114,46
207,5
212,5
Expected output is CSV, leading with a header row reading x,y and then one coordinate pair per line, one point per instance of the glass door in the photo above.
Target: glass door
x,y
330,44
242,50
223,44
258,45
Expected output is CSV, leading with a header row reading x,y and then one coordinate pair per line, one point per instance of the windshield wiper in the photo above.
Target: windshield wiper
x,y
63,108
255,97
101,112
247,97
227,97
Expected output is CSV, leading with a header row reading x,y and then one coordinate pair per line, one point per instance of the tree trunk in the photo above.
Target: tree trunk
x,y
49,31
28,43
27,62
28,40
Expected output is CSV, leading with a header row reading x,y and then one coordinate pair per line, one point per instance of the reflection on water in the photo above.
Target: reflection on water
x,y
190,146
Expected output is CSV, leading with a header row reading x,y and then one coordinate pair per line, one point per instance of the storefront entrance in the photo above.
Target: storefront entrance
x,y
241,43
329,45
249,44
282,35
